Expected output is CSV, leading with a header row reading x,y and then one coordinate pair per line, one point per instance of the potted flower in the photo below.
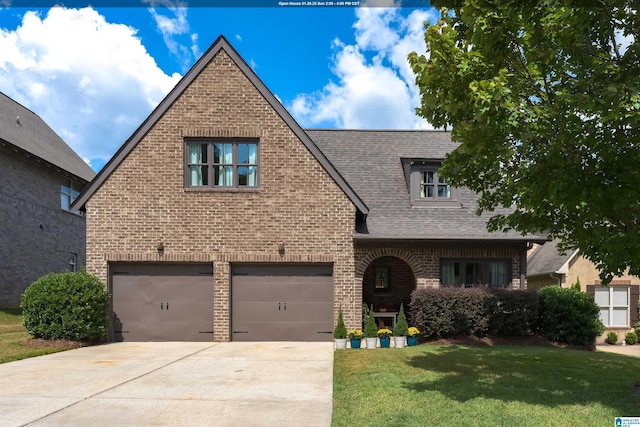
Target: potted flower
x,y
412,335
355,337
370,330
340,332
401,329
385,337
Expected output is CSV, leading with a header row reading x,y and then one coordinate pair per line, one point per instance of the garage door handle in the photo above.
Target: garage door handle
x,y
285,306
278,306
161,306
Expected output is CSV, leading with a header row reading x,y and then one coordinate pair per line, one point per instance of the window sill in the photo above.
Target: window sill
x,y
436,204
78,214
221,190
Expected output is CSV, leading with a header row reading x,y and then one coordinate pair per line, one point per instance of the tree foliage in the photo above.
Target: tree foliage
x,y
544,99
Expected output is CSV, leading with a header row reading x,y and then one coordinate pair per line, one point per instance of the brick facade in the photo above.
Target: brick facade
x,y
37,235
145,202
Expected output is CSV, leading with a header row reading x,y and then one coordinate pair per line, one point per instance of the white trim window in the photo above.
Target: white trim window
x,y
614,305
73,262
68,193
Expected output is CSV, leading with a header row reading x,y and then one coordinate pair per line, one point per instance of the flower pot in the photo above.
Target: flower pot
x,y
398,342
341,343
355,343
385,342
371,342
412,340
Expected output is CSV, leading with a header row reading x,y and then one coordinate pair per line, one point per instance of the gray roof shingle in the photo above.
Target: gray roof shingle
x,y
547,259
370,161
25,130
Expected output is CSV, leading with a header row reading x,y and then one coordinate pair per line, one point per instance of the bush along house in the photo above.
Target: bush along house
x,y
221,219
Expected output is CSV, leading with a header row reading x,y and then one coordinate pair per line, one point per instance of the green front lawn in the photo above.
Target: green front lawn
x,y
13,337
460,385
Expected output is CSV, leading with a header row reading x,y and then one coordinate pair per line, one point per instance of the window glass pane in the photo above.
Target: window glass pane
x,y
253,153
199,175
430,177
450,273
619,296
602,296
197,153
252,179
242,176
443,191
223,176
223,153
498,273
243,154
473,273
604,316
64,202
619,317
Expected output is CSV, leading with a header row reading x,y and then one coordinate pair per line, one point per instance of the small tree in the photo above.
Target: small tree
x,y
402,327
340,332
370,327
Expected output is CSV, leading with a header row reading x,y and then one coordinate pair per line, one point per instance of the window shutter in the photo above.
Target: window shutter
x,y
633,303
591,290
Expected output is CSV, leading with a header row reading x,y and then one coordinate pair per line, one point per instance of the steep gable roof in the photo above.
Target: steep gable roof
x,y
371,161
220,44
27,132
548,259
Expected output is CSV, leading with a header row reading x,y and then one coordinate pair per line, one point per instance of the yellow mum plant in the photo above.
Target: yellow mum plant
x,y
413,331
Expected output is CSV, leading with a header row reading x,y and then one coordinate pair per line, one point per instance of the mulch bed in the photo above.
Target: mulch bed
x,y
40,343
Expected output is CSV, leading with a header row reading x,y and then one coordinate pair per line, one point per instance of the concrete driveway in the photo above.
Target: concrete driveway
x,y
173,384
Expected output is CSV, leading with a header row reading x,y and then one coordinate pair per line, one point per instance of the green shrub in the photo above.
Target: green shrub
x,y
66,306
444,312
370,327
631,338
402,327
612,338
512,312
568,315
340,332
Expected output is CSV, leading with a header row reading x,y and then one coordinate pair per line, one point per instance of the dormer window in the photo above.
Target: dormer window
x,y
426,186
433,186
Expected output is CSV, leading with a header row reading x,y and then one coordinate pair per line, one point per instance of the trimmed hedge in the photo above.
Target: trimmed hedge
x,y
66,306
569,315
558,314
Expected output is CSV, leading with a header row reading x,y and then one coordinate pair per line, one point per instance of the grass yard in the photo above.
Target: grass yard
x,y
465,385
12,338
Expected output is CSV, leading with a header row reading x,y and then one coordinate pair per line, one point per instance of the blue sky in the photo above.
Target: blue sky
x,y
94,74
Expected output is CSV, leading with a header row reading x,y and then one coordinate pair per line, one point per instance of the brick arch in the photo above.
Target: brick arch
x,y
404,255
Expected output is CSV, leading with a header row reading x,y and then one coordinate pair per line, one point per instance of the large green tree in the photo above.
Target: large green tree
x,y
544,99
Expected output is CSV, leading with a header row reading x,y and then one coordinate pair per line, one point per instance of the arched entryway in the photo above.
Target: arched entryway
x,y
387,282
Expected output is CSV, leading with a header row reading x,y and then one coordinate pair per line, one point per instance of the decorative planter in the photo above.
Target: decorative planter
x,y
412,340
341,343
355,343
398,341
385,342
371,342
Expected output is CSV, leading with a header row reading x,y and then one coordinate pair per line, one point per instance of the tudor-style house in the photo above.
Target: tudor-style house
x,y
40,176
222,219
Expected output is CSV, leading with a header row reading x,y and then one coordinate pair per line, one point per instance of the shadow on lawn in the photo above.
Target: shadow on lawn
x,y
532,375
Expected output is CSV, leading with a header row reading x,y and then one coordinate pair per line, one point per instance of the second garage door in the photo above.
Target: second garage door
x,y
282,302
162,302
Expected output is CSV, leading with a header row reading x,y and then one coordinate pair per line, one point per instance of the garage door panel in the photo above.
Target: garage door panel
x,y
282,302
162,302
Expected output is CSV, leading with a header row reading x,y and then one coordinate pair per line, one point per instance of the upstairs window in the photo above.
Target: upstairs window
x,y
427,188
475,272
433,186
68,193
221,164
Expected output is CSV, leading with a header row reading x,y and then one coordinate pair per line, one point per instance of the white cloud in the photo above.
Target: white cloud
x,y
92,81
375,87
172,26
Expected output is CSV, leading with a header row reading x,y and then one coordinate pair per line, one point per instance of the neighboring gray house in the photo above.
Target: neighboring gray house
x,y
40,175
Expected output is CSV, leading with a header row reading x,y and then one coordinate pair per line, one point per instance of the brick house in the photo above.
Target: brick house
x,y
40,175
548,266
222,219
